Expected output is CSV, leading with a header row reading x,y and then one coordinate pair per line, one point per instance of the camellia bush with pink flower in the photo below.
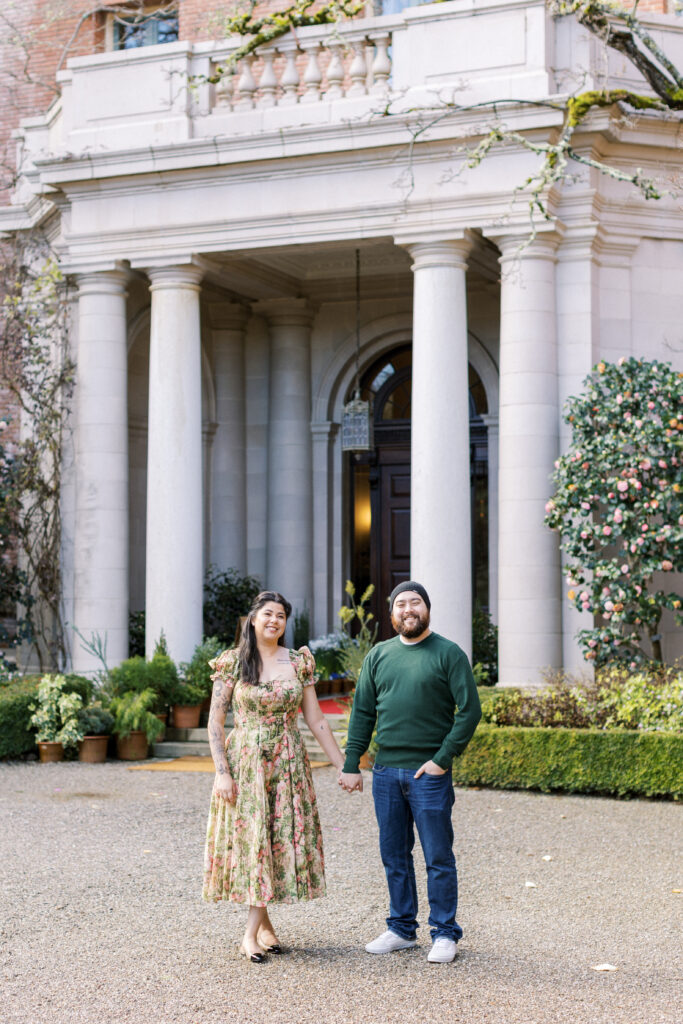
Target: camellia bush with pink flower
x,y
618,506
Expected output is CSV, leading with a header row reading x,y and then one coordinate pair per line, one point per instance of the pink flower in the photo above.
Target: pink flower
x,y
607,530
592,643
662,464
549,506
622,486
583,596
643,528
621,361
645,464
638,589
650,405
638,486
620,399
609,606
624,569
586,505
639,423
618,516
667,566
584,535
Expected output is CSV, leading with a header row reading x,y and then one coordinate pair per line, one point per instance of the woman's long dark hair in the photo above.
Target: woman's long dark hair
x,y
248,655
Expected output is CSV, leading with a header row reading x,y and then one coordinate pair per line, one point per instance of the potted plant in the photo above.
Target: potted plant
x,y
135,723
187,706
55,718
327,653
198,672
97,724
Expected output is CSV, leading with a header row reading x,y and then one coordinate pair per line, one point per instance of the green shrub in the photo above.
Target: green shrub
x,y
131,676
616,699
227,596
162,677
96,720
573,760
16,734
80,685
197,672
484,647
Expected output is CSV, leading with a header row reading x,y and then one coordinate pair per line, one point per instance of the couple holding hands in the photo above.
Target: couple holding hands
x,y
264,842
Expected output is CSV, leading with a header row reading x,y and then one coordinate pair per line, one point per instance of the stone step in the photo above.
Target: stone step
x,y
175,748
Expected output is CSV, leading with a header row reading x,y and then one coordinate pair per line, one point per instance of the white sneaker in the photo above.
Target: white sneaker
x,y
443,950
389,942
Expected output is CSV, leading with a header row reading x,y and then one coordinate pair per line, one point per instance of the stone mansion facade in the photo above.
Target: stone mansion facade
x,y
211,231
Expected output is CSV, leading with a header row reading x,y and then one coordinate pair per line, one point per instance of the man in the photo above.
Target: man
x,y
411,687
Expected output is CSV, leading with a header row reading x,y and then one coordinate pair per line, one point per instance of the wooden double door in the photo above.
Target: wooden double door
x,y
390,528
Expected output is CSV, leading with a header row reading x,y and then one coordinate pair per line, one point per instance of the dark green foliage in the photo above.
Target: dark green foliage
x,y
302,628
16,735
136,634
557,707
95,720
80,685
484,645
135,675
197,672
574,761
227,596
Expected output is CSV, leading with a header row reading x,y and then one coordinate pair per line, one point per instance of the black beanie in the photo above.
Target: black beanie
x,y
409,585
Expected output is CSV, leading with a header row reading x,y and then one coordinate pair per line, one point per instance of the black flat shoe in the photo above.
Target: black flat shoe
x,y
255,958
275,948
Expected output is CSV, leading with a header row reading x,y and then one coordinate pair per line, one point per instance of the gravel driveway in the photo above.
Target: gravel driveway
x,y
101,920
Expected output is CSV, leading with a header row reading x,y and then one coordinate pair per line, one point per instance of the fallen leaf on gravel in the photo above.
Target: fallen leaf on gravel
x,y
677,890
530,885
605,967
547,857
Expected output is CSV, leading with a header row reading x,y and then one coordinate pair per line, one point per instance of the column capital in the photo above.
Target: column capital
x,y
103,282
181,276
516,244
285,311
228,316
447,252
324,430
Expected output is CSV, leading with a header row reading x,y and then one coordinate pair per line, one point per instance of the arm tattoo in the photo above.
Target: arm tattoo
x,y
220,703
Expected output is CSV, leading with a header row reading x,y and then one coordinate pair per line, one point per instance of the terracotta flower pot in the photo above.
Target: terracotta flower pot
x,y
93,749
132,747
186,716
50,751
367,761
336,685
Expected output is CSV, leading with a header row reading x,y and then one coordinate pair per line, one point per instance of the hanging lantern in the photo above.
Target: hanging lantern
x,y
357,433
357,426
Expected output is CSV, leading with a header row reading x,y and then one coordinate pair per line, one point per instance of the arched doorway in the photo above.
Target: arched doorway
x,y
380,485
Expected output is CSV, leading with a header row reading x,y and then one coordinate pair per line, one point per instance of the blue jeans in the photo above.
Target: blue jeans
x,y
401,801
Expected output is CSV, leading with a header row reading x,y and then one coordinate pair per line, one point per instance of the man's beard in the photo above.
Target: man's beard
x,y
416,628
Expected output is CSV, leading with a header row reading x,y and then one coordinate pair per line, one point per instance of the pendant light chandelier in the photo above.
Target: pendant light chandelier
x,y
357,419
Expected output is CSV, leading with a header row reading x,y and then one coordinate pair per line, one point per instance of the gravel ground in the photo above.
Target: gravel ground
x,y
101,920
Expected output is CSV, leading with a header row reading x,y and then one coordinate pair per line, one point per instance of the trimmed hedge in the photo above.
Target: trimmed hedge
x,y
616,763
16,735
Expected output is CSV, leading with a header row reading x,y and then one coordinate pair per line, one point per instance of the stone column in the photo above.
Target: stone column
x,y
290,500
323,435
440,530
491,421
529,590
228,547
175,569
101,512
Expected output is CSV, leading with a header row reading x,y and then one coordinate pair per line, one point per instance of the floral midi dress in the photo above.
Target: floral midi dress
x,y
267,846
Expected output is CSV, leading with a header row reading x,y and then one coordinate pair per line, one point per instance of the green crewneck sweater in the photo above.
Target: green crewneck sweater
x,y
412,692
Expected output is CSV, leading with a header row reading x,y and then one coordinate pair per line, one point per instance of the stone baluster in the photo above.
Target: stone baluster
x,y
312,75
335,72
358,70
290,76
223,90
381,65
268,81
247,85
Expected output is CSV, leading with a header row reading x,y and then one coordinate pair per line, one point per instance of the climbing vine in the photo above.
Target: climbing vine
x,y
38,373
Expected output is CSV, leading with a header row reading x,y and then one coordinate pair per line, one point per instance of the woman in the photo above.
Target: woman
x,y
264,843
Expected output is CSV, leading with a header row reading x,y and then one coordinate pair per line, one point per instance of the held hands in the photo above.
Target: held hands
x,y
430,768
225,787
350,782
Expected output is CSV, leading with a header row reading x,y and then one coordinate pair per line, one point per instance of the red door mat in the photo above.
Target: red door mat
x,y
333,706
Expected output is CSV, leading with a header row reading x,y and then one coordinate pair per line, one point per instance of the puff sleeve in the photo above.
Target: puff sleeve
x,y
224,667
306,666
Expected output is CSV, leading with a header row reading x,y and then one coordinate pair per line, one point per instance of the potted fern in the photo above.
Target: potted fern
x,y
135,723
97,724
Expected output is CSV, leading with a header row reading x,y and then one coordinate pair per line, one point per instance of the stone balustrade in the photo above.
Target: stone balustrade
x,y
326,63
